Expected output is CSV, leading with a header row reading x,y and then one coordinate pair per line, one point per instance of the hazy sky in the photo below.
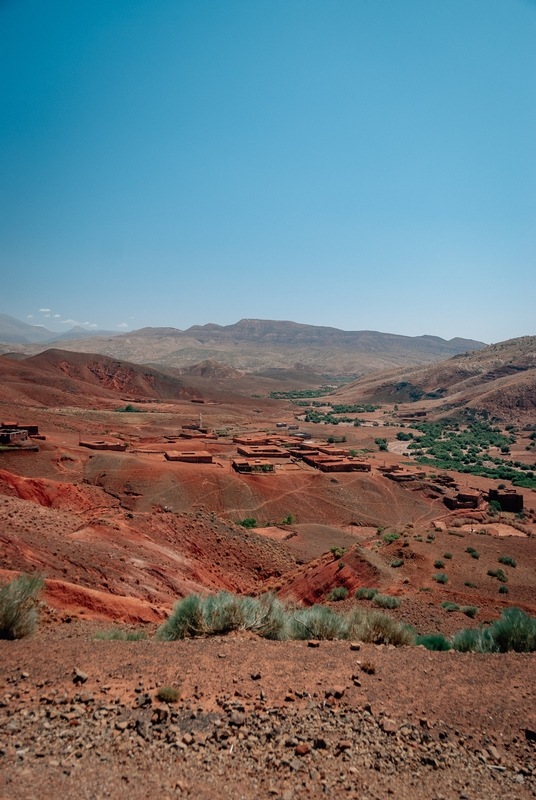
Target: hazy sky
x,y
355,163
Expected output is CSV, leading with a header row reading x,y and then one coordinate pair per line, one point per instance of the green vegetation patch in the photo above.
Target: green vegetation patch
x,y
19,600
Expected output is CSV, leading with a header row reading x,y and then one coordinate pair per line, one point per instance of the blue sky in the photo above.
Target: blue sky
x,y
366,164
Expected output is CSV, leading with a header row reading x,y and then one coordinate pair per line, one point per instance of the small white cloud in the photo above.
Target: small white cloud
x,y
93,325
122,325
69,322
56,316
44,310
30,316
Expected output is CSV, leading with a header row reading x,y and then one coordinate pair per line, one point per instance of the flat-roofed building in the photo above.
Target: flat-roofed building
x,y
189,456
118,447
263,451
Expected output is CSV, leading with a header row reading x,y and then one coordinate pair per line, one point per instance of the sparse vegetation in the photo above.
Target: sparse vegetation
x,y
338,552
130,409
447,555
390,537
338,593
471,585
19,599
168,694
499,574
119,635
448,606
365,594
398,562
272,619
434,641
503,589
439,564
469,611
508,561
386,601
440,577
381,443
248,522
288,520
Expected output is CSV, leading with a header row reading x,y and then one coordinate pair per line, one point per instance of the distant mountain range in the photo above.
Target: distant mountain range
x,y
15,331
499,380
253,345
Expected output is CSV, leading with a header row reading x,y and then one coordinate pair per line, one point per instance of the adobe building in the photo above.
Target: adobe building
x,y
205,433
262,451
189,456
247,466
509,499
466,498
402,475
118,447
32,430
13,436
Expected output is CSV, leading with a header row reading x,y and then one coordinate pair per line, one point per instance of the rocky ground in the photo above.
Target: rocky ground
x,y
256,719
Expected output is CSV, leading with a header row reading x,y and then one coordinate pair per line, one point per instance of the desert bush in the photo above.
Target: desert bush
x,y
440,577
448,606
510,562
338,593
222,613
118,635
316,622
456,533
515,631
390,537
471,585
168,694
499,574
365,594
503,589
476,640
447,555
338,552
433,641
439,564
18,606
418,538
386,601
288,520
377,628
398,562
248,522
369,667
469,611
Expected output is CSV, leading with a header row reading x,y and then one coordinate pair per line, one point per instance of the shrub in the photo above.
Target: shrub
x,y
499,574
494,507
398,562
168,694
471,585
474,640
377,628
448,606
433,641
382,444
386,601
475,554
503,589
338,593
248,522
469,611
316,622
439,564
368,667
390,537
288,520
365,594
515,631
447,555
440,577
222,613
18,606
118,635
510,562
418,538
338,552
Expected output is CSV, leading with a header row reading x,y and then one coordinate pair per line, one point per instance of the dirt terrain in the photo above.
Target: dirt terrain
x,y
120,536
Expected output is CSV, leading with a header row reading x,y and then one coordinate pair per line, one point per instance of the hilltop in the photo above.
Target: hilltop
x,y
497,381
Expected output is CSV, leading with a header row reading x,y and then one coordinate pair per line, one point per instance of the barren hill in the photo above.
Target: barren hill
x,y
257,345
499,380
61,378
